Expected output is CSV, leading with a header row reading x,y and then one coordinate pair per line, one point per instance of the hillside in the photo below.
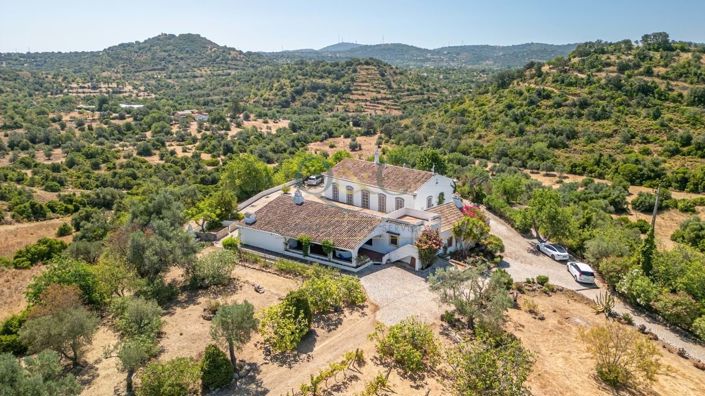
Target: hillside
x,y
402,55
608,109
166,52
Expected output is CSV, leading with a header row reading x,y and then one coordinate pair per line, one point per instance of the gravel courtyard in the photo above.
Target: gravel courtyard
x,y
400,293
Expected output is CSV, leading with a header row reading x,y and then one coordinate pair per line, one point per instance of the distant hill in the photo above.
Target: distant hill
x,y
485,56
340,47
166,52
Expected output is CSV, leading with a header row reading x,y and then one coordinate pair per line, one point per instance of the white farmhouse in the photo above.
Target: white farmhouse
x,y
368,212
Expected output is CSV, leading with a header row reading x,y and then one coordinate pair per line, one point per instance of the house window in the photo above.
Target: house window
x,y
394,240
449,242
365,199
398,203
336,193
429,201
382,203
349,195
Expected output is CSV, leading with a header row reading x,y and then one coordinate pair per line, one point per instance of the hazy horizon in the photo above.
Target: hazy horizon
x,y
276,25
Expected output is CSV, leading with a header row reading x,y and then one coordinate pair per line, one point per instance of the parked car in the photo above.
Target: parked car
x,y
556,252
581,272
314,180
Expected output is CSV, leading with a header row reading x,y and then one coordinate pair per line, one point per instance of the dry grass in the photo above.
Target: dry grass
x,y
564,367
367,146
14,237
13,283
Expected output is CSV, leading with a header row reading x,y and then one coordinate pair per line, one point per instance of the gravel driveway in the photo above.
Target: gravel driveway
x,y
400,293
522,264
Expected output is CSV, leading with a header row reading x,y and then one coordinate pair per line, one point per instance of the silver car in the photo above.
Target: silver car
x,y
556,252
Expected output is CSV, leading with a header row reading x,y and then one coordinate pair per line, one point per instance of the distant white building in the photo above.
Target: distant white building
x,y
369,212
131,106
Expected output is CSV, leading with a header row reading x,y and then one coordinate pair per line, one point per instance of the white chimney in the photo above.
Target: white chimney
x,y
298,197
457,201
377,156
250,218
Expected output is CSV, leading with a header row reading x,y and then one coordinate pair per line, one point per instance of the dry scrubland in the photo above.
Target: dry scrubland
x,y
562,365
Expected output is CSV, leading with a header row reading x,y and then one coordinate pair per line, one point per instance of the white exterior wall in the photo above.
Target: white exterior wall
x,y
262,239
444,236
433,187
381,240
374,195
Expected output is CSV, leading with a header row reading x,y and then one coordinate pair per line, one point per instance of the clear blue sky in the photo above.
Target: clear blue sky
x,y
271,25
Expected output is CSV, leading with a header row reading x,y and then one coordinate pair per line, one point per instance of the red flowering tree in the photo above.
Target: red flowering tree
x,y
474,212
428,244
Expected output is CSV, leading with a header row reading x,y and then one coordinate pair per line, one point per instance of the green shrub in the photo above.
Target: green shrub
x,y
176,377
698,327
691,232
679,309
624,357
542,280
160,291
503,278
409,344
5,262
283,326
9,335
216,370
644,202
686,206
43,250
64,230
301,304
326,293
613,269
489,366
231,243
214,269
638,288
136,316
66,271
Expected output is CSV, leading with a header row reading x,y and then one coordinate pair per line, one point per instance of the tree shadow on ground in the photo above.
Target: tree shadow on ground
x,y
250,385
329,321
86,374
289,359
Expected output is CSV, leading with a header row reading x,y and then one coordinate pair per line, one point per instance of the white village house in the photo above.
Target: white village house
x,y
368,212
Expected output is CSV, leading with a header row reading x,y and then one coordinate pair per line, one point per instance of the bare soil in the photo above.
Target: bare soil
x,y
563,366
14,237
13,283
367,146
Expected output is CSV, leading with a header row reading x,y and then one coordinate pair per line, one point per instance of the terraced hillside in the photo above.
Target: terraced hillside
x,y
371,92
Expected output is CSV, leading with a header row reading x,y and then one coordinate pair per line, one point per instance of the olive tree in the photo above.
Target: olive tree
x,y
234,324
481,299
67,332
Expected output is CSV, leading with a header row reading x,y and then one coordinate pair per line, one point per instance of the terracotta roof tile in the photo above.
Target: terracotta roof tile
x,y
345,228
450,214
387,177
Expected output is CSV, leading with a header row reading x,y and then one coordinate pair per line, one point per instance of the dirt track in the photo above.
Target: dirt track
x,y
522,264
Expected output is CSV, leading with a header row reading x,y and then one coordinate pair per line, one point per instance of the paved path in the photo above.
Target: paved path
x,y
522,264
400,293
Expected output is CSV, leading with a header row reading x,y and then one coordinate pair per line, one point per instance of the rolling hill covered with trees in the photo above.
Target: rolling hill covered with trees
x,y
403,55
634,112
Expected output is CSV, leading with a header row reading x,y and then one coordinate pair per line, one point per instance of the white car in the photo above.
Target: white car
x,y
582,272
314,180
556,252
